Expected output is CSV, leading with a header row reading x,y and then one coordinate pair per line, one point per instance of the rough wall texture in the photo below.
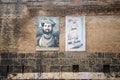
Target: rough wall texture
x,y
18,36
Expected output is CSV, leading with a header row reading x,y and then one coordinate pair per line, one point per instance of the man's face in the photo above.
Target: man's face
x,y
47,28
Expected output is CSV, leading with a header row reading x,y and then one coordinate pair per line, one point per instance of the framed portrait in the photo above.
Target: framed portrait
x,y
47,33
75,33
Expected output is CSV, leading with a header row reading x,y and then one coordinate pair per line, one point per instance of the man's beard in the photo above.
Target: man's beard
x,y
47,32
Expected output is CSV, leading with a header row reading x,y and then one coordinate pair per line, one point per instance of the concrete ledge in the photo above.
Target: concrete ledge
x,y
58,75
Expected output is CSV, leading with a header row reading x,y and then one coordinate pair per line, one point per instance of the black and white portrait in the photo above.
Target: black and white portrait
x,y
47,36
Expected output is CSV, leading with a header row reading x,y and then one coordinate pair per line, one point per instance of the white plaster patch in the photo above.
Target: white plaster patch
x,y
58,75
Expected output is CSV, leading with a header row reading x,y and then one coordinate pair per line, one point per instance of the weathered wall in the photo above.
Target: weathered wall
x,y
101,33
19,21
18,38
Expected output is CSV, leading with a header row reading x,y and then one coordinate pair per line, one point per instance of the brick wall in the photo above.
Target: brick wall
x,y
18,38
59,62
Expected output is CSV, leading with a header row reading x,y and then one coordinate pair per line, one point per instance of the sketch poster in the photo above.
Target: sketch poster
x,y
75,33
47,35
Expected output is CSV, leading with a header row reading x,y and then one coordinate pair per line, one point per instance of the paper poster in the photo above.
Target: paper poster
x,y
75,33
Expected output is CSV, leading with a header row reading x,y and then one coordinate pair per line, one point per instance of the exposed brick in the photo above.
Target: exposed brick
x,y
11,68
17,69
74,61
38,62
16,62
38,55
5,62
8,0
118,55
18,34
110,55
106,61
61,54
3,70
12,55
55,69
21,55
30,55
27,69
66,68
4,55
55,62
98,67
75,55
115,68
92,62
115,61
53,55
46,61
84,68
31,61
45,55
40,68
65,61
100,55
23,61
93,55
